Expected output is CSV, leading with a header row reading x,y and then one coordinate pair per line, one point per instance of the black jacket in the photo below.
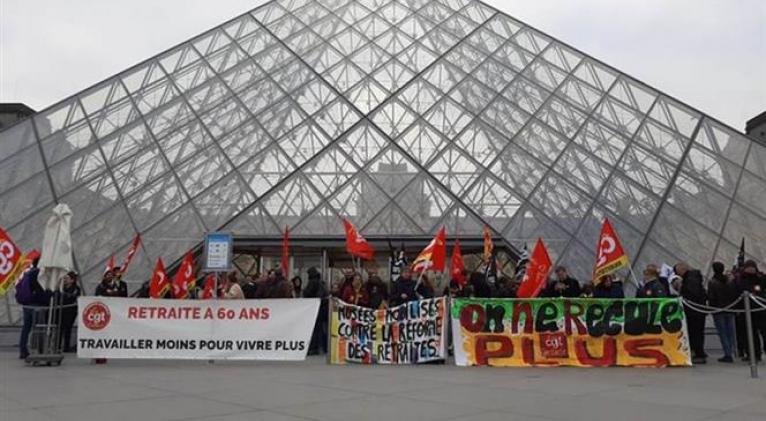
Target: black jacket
x,y
656,288
721,292
572,289
692,288
404,287
115,289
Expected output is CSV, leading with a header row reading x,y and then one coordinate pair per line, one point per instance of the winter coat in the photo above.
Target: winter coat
x,y
721,292
377,292
692,288
614,291
29,292
113,289
424,291
403,287
359,298
572,289
655,288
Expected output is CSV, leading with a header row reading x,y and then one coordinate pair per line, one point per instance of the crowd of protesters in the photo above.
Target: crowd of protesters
x,y
722,290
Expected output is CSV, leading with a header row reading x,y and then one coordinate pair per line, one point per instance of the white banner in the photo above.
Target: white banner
x,y
195,329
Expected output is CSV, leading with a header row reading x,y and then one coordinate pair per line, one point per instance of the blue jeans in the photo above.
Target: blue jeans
x,y
26,328
724,325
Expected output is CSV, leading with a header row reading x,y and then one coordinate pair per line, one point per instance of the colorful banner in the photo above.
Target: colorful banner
x,y
11,262
411,333
195,329
573,332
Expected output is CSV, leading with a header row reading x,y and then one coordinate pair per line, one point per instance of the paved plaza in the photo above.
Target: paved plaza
x,y
313,390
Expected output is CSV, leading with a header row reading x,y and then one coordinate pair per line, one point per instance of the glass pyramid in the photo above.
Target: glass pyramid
x,y
401,115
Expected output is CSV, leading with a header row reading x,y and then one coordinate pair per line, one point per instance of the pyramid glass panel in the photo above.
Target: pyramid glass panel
x,y
402,116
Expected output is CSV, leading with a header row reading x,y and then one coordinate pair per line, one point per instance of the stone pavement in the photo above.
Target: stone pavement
x,y
313,390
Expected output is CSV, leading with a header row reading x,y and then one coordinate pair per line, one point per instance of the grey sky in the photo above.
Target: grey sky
x,y
710,54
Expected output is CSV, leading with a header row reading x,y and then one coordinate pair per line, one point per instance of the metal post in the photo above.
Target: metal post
x,y
750,343
330,303
8,309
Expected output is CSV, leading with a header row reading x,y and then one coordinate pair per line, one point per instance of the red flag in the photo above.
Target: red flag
x,y
488,245
434,256
456,266
11,259
208,291
286,253
183,282
356,245
109,265
159,285
610,255
536,276
131,252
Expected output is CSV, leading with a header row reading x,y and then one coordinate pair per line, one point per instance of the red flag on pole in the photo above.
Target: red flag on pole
x,y
285,264
434,256
131,252
183,282
356,245
611,256
109,265
159,285
10,260
536,276
456,266
208,291
488,245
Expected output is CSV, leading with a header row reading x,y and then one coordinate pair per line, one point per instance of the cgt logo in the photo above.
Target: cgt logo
x,y
554,345
96,316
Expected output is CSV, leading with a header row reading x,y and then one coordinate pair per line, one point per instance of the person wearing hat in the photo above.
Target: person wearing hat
x,y
653,286
68,292
753,281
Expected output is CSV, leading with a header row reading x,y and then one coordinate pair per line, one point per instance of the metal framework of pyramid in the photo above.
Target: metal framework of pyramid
x,y
401,115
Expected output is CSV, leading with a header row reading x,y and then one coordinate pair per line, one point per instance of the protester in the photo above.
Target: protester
x,y
507,288
250,288
693,290
564,285
357,294
29,293
68,294
337,288
653,286
722,292
297,286
315,288
608,288
230,290
404,289
754,282
348,278
425,290
112,285
377,291
275,286
481,289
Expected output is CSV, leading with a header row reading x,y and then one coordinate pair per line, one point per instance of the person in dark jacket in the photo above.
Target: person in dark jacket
x,y
29,294
507,287
563,286
315,288
297,286
275,286
693,290
404,289
608,288
722,292
425,290
653,286
377,291
111,285
754,282
250,287
480,286
68,298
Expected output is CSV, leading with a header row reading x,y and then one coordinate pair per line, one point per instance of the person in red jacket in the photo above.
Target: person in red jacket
x,y
357,294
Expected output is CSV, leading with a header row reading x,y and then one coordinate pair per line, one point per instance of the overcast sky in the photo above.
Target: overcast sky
x,y
710,54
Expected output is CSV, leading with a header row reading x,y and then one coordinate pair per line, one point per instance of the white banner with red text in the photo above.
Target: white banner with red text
x,y
195,329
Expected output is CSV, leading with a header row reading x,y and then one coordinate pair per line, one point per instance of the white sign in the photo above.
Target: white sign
x,y
218,251
111,327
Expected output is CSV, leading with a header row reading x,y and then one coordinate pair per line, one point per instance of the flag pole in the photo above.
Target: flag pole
x,y
633,276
